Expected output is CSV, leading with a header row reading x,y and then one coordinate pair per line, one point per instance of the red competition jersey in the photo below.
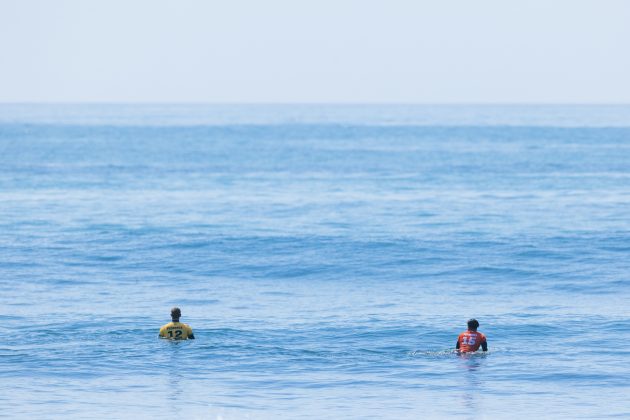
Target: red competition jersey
x,y
470,341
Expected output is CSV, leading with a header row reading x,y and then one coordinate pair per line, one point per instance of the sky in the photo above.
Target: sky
x,y
323,51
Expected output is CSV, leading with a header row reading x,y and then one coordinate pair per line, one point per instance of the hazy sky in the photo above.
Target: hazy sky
x,y
568,51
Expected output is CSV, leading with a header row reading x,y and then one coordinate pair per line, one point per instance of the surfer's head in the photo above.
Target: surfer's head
x,y
473,324
176,313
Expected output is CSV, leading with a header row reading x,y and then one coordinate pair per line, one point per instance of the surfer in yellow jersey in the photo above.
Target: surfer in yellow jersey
x,y
176,330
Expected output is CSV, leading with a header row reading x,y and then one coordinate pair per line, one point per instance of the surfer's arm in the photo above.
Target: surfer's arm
x,y
457,345
484,345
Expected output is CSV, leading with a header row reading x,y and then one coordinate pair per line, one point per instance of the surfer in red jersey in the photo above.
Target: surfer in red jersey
x,y
470,340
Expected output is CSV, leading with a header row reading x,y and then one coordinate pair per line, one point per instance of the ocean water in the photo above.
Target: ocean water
x,y
326,257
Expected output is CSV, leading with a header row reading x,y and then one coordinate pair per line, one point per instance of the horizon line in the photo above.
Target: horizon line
x,y
314,103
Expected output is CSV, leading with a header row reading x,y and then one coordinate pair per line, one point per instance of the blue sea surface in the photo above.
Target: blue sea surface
x,y
326,257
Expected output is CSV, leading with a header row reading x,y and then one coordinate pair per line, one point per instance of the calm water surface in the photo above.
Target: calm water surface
x,y
326,256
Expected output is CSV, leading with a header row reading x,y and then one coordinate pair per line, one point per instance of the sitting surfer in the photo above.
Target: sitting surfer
x,y
469,341
176,330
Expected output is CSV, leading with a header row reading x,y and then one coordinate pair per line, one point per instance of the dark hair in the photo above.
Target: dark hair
x,y
473,324
176,312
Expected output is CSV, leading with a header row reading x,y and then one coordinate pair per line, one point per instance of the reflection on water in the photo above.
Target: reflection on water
x,y
174,376
471,366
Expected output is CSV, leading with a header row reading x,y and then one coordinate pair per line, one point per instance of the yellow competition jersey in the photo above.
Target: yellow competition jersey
x,y
176,331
